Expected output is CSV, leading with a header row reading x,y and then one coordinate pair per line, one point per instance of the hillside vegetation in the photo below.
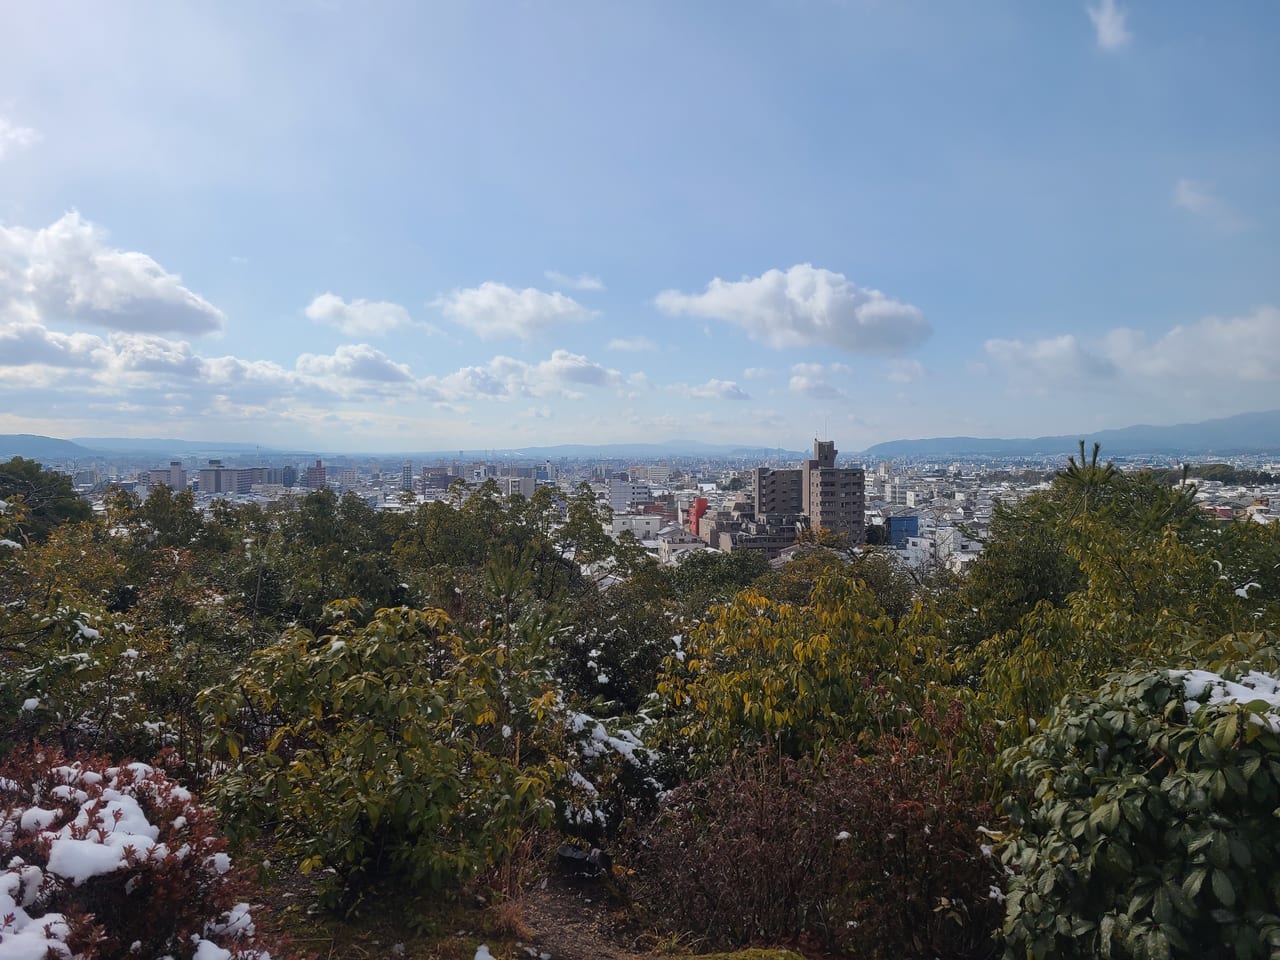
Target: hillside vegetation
x,y
1073,751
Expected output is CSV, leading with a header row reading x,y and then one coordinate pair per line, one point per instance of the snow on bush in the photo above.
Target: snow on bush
x,y
100,861
611,775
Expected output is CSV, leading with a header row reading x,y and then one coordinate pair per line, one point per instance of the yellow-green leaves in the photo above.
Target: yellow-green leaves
x,y
379,748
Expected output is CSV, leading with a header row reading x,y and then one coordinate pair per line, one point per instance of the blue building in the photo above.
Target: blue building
x,y
899,527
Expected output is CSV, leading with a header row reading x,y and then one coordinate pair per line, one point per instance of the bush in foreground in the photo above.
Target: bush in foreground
x,y
102,861
395,753
875,856
1144,821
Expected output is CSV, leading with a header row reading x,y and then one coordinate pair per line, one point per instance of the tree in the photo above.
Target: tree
x,y
391,748
47,498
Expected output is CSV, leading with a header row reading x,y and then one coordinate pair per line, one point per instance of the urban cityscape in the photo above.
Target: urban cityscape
x,y
929,513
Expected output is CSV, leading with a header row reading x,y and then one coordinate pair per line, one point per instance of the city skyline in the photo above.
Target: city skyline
x,y
320,226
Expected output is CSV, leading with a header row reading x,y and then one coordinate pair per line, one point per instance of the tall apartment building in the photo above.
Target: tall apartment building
x,y
406,475
834,497
173,476
315,476
624,494
777,492
512,485
216,478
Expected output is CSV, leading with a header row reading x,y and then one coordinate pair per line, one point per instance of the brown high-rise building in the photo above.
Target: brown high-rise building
x,y
777,492
315,476
834,497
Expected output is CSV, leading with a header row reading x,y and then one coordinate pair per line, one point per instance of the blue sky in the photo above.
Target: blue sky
x,y
392,226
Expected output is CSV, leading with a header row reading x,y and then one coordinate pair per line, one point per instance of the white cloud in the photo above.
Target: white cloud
x,y
806,306
1109,25
1212,353
757,373
636,384
1200,200
905,371
30,344
357,318
506,378
713,390
66,272
14,138
132,371
583,281
814,380
1061,359
494,310
355,361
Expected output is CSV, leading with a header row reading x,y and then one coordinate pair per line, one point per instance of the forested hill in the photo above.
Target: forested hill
x,y
35,447
1243,433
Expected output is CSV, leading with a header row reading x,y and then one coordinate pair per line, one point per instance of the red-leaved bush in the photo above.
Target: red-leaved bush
x,y
876,855
100,861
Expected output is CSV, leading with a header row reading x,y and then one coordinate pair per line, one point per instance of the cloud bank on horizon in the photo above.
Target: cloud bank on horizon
x,y
892,221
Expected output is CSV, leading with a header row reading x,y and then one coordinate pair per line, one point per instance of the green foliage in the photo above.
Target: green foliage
x,y
47,499
803,678
705,577
399,752
113,639
1143,823
887,577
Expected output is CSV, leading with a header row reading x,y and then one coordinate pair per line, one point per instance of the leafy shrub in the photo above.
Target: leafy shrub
x,y
613,782
802,678
1144,821
879,856
113,861
393,751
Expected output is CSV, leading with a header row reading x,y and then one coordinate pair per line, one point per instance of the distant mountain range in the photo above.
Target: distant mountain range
x,y
36,447
640,451
1241,434
146,445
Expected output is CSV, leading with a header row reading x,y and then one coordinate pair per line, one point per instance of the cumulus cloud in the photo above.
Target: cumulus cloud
x,y
357,318
30,344
583,281
67,272
814,380
506,378
14,138
806,306
1109,25
632,344
494,310
355,361
1212,352
163,376
713,390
